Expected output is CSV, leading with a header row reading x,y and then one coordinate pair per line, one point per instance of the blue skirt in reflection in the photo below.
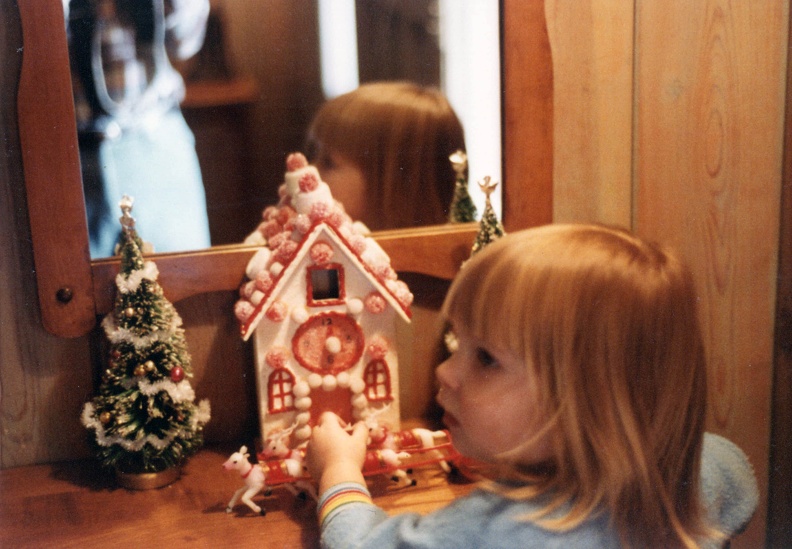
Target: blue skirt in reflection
x,y
157,165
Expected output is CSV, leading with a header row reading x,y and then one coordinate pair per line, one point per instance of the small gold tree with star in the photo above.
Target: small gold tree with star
x,y
490,228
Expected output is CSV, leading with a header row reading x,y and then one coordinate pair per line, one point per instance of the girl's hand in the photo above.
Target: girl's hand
x,y
335,456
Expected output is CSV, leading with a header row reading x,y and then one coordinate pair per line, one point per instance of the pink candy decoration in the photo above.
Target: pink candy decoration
x,y
401,291
302,223
319,211
295,161
384,272
285,214
357,243
308,182
264,281
377,347
285,251
243,310
374,303
247,289
270,228
269,213
321,252
277,239
277,357
277,312
336,217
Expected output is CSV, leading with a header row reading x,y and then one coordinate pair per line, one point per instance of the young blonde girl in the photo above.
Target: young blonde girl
x,y
579,374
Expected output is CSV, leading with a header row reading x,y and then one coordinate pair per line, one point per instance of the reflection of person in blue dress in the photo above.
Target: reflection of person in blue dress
x,y
133,137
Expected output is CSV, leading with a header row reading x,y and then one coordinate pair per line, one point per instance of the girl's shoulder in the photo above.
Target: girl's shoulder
x,y
488,519
728,484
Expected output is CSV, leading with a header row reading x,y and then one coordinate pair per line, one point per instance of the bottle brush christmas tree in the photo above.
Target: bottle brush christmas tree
x,y
462,208
490,228
144,418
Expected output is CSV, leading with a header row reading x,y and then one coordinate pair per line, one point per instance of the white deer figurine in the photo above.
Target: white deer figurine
x,y
292,459
253,476
427,439
387,449
384,438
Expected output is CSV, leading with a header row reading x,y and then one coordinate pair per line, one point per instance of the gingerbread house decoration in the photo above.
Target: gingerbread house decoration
x,y
322,305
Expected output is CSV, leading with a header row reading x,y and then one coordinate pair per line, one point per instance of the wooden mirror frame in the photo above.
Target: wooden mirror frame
x,y
73,289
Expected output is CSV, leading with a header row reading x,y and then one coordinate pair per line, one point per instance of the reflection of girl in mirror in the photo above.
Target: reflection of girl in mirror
x,y
383,149
133,138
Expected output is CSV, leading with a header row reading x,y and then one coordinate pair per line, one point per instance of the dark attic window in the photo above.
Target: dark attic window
x,y
325,284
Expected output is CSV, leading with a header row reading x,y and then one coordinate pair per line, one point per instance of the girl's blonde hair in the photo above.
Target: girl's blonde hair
x,y
609,325
400,135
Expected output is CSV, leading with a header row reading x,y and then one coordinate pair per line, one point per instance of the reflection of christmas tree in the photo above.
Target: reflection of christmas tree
x,y
144,418
462,208
490,228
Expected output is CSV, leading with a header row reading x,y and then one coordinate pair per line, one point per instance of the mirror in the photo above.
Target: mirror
x,y
73,290
251,93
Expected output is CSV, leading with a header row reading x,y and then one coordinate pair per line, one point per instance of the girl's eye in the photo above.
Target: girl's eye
x,y
325,162
485,359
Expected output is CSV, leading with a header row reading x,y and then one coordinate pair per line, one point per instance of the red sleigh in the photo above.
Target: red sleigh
x,y
410,444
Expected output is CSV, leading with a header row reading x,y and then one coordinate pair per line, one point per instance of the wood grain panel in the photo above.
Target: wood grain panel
x,y
709,110
592,45
43,379
527,116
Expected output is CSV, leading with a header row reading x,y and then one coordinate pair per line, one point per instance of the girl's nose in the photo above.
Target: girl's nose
x,y
445,374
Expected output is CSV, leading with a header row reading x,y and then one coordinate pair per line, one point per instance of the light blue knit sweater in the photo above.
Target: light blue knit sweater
x,y
486,520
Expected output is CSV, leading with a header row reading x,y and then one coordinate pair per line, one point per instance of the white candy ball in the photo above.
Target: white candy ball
x,y
301,389
256,297
374,254
258,262
329,383
359,401
315,381
333,344
255,239
303,418
299,315
355,306
343,380
356,384
276,268
303,404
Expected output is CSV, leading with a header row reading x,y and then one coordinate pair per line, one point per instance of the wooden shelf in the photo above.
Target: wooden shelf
x,y
215,93
74,505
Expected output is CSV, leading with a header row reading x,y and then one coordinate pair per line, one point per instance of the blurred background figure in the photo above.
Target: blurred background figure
x,y
133,138
384,150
